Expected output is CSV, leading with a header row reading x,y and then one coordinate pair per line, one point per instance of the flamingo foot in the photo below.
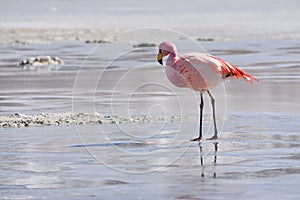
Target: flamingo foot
x,y
215,137
196,139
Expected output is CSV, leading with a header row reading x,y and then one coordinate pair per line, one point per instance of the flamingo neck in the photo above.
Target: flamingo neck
x,y
172,58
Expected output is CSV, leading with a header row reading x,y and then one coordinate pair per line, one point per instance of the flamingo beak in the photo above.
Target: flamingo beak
x,y
160,57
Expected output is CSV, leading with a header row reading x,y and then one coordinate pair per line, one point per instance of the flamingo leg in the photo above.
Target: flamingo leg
x,y
201,114
215,136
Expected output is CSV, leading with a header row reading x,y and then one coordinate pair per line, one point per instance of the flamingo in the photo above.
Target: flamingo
x,y
200,72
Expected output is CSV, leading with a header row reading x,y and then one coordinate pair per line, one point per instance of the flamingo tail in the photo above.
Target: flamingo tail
x,y
229,70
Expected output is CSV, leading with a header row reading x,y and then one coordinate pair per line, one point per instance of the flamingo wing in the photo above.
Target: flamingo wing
x,y
199,71
229,70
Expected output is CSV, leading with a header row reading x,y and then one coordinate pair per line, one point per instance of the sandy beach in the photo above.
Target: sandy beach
x,y
107,123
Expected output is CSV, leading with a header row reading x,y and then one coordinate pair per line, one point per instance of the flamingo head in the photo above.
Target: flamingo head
x,y
165,48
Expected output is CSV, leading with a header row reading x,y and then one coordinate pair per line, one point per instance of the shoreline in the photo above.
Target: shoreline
x,y
27,36
65,119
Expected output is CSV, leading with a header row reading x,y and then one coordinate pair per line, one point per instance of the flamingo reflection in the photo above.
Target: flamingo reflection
x,y
215,157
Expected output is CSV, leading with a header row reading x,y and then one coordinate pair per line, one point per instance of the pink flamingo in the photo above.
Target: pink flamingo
x,y
200,72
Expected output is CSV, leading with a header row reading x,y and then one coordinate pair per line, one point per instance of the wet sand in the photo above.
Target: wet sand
x,y
108,124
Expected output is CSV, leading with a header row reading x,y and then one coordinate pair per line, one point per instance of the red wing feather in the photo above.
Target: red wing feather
x,y
229,70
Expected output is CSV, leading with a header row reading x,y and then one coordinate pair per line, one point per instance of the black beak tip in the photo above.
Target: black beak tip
x,y
160,61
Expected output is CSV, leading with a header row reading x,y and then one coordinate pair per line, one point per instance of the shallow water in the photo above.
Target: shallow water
x,y
126,80
257,155
106,162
